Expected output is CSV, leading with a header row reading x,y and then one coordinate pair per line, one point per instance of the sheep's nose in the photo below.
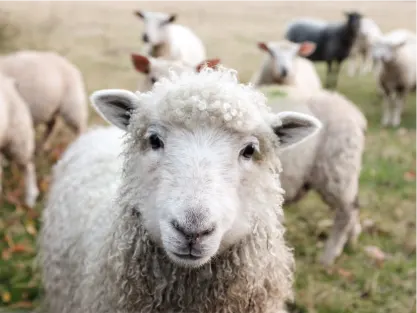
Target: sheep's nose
x,y
145,38
284,72
192,236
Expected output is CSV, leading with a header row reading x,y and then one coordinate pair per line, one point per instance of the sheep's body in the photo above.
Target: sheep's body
x,y
171,41
51,86
361,52
116,256
396,52
333,40
303,74
329,163
17,138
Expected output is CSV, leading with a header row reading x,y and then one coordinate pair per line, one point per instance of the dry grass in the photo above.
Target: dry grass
x,y
98,37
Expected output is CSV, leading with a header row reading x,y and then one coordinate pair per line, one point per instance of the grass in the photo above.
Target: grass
x,y
98,37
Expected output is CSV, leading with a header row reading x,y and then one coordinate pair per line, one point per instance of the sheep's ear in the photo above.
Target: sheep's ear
x,y
263,46
306,48
293,128
115,105
171,18
212,63
399,43
141,63
140,14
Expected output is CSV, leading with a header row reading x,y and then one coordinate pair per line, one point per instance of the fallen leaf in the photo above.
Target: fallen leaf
x,y
410,176
44,184
21,248
376,254
6,255
30,227
345,273
6,297
21,305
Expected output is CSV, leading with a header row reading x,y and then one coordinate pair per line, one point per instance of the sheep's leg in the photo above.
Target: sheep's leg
x,y
367,61
329,73
353,65
31,187
398,107
356,228
47,136
386,105
344,221
1,175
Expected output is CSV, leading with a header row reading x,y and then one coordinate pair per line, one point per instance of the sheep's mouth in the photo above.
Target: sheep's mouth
x,y
187,256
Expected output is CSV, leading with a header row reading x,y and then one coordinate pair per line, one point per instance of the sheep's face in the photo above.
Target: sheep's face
x,y
155,26
282,56
386,50
200,177
155,68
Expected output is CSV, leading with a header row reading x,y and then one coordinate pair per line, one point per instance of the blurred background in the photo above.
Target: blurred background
x,y
98,37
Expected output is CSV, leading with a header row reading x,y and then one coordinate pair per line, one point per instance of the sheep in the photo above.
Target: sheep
x,y
333,40
329,163
184,214
51,86
285,65
156,68
369,32
17,137
396,52
171,41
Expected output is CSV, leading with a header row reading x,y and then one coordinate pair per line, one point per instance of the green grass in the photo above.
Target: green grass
x,y
354,284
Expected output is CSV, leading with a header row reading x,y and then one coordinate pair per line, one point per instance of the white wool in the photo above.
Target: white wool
x,y
17,137
329,162
50,85
109,203
396,52
361,52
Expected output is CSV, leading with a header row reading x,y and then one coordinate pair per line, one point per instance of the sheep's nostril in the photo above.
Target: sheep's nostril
x,y
284,72
145,38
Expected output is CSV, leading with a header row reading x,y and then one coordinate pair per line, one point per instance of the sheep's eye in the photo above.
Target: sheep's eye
x,y
248,151
155,142
153,80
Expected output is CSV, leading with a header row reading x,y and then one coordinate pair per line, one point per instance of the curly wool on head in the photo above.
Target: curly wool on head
x,y
124,263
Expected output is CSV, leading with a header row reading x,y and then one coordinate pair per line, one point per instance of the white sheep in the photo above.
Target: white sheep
x,y
361,52
329,163
17,137
285,65
156,68
185,216
171,41
51,86
396,52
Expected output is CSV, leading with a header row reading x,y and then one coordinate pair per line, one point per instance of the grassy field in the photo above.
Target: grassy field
x,y
98,37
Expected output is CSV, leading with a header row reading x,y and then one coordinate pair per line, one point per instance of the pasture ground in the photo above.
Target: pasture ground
x,y
98,37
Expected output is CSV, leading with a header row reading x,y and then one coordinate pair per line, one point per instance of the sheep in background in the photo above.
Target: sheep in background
x,y
163,39
361,52
285,65
329,163
51,86
186,216
333,41
396,52
156,68
17,136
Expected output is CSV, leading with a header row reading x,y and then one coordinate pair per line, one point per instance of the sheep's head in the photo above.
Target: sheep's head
x,y
282,54
353,21
385,49
201,161
155,26
156,68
